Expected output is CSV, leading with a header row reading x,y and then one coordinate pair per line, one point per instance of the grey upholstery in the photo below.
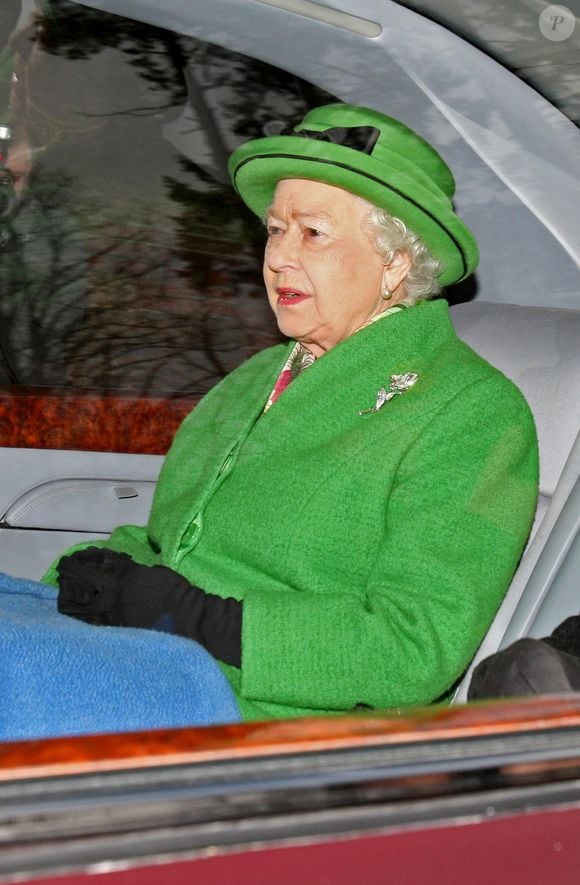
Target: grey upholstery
x,y
50,500
539,349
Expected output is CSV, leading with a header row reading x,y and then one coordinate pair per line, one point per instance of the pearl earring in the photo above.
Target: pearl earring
x,y
386,293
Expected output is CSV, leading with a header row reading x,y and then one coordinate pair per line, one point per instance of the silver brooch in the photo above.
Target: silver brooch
x,y
398,384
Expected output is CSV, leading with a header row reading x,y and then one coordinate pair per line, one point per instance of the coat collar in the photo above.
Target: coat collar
x,y
347,378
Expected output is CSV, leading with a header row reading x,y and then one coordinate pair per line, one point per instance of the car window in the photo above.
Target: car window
x,y
127,264
539,43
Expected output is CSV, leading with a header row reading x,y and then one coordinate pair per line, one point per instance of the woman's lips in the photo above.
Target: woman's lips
x,y
288,297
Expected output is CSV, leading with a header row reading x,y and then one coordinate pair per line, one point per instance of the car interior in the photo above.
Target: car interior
x,y
130,283
77,496
52,497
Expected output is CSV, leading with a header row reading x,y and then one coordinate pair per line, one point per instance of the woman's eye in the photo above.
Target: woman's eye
x,y
313,233
273,230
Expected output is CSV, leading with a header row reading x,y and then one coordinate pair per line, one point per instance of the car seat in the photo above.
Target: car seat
x,y
539,350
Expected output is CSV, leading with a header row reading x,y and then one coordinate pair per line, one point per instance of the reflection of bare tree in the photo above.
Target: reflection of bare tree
x,y
42,284
170,263
77,32
158,322
161,312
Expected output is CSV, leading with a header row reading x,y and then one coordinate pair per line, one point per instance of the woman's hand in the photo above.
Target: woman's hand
x,y
103,587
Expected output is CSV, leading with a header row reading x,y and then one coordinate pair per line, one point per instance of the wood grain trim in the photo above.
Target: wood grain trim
x,y
74,755
55,419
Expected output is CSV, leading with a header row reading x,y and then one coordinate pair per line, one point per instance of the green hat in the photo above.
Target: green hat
x,y
373,156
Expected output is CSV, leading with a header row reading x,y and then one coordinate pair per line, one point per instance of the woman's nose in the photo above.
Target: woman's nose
x,y
282,251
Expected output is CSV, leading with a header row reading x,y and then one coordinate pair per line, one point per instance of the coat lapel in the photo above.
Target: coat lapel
x,y
347,380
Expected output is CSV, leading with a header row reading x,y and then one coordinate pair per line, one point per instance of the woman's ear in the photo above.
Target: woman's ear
x,y
395,273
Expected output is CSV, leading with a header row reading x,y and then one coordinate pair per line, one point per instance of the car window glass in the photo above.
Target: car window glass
x,y
127,264
538,43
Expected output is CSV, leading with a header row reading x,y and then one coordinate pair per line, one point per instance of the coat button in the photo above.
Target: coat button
x,y
192,533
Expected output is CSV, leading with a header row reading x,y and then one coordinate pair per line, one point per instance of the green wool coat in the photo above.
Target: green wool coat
x,y
370,551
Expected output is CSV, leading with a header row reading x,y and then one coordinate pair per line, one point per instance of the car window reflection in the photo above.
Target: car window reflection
x,y
126,261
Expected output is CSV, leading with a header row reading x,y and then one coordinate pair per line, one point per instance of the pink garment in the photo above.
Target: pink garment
x,y
284,379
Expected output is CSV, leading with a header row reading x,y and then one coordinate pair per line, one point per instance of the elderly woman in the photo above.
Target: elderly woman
x,y
338,520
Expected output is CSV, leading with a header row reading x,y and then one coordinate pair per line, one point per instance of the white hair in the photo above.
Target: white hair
x,y
391,235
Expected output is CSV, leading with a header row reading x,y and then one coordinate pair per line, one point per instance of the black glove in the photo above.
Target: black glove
x,y
103,587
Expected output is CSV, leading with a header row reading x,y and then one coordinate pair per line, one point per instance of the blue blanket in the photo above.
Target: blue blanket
x,y
60,676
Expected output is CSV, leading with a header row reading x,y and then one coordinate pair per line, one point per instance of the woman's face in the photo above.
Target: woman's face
x,y
323,275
